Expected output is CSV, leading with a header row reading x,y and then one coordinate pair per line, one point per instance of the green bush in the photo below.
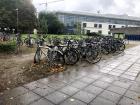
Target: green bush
x,y
7,47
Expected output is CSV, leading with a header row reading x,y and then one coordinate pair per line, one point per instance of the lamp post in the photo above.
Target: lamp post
x,y
17,19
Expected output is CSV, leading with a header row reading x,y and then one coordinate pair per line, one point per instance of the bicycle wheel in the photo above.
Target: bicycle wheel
x,y
121,47
37,56
56,58
98,58
105,50
71,57
92,56
113,48
26,41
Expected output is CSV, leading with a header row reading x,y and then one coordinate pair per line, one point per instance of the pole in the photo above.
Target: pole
x,y
17,19
18,35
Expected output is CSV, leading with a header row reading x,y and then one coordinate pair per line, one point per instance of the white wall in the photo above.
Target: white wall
x,y
105,27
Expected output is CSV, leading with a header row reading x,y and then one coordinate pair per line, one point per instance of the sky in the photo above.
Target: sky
x,y
118,7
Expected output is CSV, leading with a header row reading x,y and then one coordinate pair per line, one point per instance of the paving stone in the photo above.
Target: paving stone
x,y
87,80
122,84
105,71
78,84
131,74
43,91
33,85
101,84
114,73
117,89
57,97
44,81
107,79
84,96
107,68
128,77
133,71
94,76
133,95
114,97
135,87
28,98
72,101
118,71
135,68
42,102
56,84
69,90
68,80
127,101
101,101
122,68
93,89
110,66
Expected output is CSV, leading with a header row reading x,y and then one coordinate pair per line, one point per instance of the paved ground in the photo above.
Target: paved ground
x,y
114,81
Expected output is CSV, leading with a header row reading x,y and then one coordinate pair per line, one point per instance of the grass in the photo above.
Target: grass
x,y
50,36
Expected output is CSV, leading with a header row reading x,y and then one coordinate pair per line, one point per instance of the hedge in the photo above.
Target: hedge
x,y
7,47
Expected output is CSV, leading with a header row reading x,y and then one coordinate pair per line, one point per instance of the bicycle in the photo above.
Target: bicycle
x,y
52,55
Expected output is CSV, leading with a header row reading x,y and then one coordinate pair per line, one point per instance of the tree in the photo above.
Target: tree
x,y
8,14
43,25
49,22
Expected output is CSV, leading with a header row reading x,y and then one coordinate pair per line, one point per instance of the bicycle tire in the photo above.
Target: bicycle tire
x,y
71,57
122,47
56,58
91,56
37,56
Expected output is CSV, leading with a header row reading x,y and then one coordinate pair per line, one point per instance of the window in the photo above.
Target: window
x,y
122,26
100,32
100,25
95,25
109,33
84,24
110,26
88,31
114,26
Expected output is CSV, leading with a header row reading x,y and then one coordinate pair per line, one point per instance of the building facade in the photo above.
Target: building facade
x,y
101,28
72,20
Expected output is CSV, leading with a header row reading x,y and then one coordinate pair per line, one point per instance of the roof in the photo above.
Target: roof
x,y
122,17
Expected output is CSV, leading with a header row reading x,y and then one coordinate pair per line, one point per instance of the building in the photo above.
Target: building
x,y
131,33
101,28
73,19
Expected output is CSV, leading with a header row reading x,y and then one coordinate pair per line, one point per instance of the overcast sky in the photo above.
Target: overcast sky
x,y
130,7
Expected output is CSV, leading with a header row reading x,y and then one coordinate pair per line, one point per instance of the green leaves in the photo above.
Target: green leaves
x,y
49,23
7,47
8,14
43,25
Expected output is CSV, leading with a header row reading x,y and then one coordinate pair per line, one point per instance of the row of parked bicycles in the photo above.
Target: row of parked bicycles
x,y
60,52
28,41
4,36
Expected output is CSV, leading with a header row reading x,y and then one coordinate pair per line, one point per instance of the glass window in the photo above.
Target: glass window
x,y
95,25
84,24
114,26
88,31
100,25
110,26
